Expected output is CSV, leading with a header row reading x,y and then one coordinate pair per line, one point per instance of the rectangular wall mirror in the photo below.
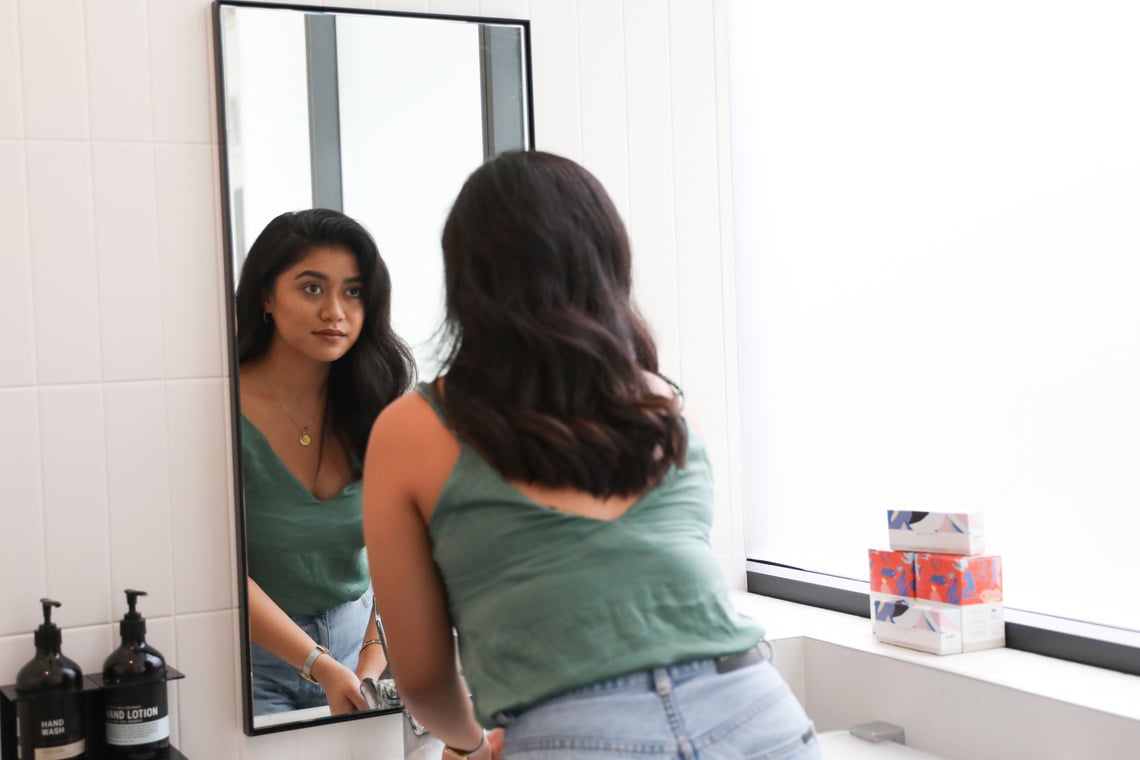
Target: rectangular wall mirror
x,y
380,115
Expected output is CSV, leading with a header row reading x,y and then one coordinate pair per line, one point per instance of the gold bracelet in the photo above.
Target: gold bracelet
x,y
369,643
461,754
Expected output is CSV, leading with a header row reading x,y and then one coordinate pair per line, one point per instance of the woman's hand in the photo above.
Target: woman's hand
x,y
495,742
341,686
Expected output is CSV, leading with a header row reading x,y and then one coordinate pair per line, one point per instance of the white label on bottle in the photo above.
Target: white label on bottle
x,y
75,749
130,734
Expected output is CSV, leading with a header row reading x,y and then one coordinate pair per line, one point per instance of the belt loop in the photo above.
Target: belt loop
x,y
504,718
662,684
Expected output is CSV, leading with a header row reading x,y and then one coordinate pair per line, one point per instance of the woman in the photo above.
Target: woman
x,y
546,497
317,362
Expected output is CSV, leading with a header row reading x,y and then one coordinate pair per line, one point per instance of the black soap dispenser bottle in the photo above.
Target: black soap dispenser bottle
x,y
134,700
49,709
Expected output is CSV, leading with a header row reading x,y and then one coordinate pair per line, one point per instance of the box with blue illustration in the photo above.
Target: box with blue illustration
x,y
917,625
947,532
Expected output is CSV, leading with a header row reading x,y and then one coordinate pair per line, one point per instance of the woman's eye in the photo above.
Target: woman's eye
x,y
312,289
354,292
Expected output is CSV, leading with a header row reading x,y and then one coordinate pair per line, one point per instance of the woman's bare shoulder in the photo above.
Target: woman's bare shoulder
x,y
408,414
411,450
410,427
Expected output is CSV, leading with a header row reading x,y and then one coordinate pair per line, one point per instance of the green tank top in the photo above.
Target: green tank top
x,y
546,601
307,554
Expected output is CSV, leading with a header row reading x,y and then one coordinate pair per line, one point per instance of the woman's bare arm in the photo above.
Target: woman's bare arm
x,y
401,465
271,629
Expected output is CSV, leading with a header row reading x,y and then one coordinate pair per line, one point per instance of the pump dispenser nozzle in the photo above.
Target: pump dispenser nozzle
x,y
48,604
48,636
132,627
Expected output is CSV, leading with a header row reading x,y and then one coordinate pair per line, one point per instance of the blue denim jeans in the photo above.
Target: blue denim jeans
x,y
278,686
680,712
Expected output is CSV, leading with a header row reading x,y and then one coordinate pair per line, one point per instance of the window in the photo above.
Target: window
x,y
938,261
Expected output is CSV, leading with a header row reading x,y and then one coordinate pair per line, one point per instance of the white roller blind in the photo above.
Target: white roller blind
x,y
937,224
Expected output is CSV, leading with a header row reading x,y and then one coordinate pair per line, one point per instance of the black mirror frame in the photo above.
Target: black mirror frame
x,y
231,321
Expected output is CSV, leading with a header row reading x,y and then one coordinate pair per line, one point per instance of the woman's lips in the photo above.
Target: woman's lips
x,y
330,335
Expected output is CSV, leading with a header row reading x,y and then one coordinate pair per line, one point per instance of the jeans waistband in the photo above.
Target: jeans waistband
x,y
682,670
678,673
730,662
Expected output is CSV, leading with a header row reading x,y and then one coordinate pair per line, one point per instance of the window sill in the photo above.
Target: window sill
x,y
1098,689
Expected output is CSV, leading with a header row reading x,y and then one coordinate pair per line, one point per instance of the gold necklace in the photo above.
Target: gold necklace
x,y
303,432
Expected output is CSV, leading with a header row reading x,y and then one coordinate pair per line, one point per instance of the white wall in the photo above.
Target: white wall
x,y
115,442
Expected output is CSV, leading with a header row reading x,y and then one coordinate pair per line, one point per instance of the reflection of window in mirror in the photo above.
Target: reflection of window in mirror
x,y
423,130
381,116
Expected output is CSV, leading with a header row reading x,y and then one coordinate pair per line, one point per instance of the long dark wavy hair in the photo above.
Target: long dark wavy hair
x,y
545,350
379,367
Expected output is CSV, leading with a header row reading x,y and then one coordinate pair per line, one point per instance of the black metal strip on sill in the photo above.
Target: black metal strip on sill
x,y
812,594
1070,647
1073,648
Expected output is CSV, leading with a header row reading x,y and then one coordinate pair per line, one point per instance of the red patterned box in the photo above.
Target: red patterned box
x,y
958,579
892,572
971,584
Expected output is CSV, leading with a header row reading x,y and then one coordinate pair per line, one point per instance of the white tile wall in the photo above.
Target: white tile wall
x,y
53,67
113,385
138,496
204,557
190,261
556,47
207,697
459,7
282,746
126,243
181,84
65,286
17,310
22,515
602,96
12,115
652,209
118,51
77,546
505,8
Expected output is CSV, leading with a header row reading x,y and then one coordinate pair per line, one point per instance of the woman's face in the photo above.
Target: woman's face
x,y
317,304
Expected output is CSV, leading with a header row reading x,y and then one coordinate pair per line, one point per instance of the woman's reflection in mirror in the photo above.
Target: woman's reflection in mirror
x,y
547,498
317,362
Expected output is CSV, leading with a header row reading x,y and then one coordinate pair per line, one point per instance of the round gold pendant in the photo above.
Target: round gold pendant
x,y
304,440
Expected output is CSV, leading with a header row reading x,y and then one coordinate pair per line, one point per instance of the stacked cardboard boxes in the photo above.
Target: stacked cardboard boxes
x,y
935,590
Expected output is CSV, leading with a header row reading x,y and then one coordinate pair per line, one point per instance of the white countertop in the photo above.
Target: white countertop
x,y
1094,688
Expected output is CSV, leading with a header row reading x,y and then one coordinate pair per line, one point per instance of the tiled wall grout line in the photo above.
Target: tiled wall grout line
x,y
96,253
676,271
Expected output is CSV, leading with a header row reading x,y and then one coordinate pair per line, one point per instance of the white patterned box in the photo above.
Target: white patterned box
x,y
946,532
